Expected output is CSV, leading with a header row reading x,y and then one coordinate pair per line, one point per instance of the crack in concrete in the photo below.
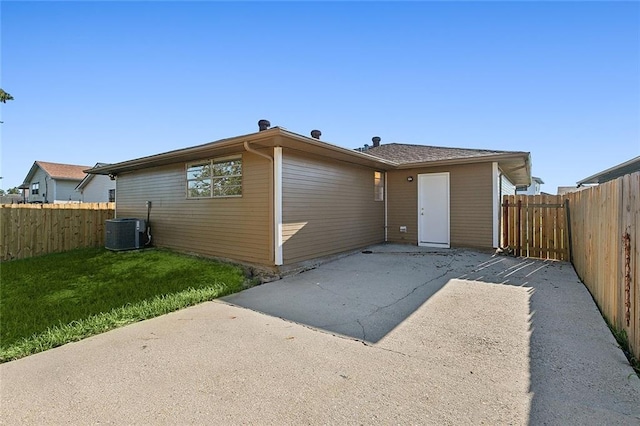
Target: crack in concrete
x,y
447,271
333,292
323,331
379,308
352,339
364,333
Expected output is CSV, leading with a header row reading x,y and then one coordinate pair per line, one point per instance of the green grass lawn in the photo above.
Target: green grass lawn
x,y
50,300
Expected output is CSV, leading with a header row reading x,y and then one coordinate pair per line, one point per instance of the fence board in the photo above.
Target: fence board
x,y
535,226
606,252
598,220
34,229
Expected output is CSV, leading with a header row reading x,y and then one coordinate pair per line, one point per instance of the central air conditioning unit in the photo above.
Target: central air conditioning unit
x,y
124,234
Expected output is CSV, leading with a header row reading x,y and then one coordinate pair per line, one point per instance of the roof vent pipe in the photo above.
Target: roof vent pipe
x,y
316,134
376,141
263,125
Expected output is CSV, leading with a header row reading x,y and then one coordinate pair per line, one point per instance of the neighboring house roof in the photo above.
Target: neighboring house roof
x,y
614,172
566,189
516,164
57,171
88,177
525,187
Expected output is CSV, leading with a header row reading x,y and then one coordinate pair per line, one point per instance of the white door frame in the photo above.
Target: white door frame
x,y
421,182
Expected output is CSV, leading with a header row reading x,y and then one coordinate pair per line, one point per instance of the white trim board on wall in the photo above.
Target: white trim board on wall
x,y
277,204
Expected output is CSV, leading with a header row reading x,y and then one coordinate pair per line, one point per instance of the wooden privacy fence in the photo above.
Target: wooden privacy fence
x,y
33,229
535,226
606,250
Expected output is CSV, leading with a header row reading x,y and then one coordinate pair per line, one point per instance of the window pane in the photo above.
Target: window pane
x,y
378,184
199,171
226,191
199,188
227,186
226,168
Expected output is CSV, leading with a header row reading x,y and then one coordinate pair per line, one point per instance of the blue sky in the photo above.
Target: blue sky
x,y
112,81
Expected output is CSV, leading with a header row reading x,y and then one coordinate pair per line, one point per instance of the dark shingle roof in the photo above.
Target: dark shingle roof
x,y
405,153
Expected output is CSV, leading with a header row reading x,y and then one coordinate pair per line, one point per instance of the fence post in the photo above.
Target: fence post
x,y
518,251
505,223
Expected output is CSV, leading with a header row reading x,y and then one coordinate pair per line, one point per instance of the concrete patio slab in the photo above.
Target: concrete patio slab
x,y
399,335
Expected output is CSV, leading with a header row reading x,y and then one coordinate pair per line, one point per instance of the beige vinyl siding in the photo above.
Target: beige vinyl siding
x,y
238,228
328,207
471,208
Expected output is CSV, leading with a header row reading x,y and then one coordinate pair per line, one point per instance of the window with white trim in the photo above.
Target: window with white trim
x,y
215,178
35,188
378,185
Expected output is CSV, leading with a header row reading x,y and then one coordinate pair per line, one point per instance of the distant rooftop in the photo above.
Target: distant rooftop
x,y
567,189
63,171
614,172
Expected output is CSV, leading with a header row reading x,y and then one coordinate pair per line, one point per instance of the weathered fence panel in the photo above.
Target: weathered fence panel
x,y
605,245
534,226
29,230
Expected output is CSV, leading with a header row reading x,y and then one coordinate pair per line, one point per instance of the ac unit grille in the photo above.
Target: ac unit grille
x,y
124,234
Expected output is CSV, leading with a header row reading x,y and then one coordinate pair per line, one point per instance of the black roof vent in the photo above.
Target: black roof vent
x,y
376,141
263,125
316,134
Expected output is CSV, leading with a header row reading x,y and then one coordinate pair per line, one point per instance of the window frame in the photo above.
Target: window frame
x,y
111,195
210,162
35,188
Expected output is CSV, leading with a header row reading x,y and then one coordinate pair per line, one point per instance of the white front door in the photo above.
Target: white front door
x,y
433,210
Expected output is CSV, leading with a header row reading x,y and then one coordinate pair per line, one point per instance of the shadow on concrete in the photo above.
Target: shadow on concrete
x,y
576,368
363,296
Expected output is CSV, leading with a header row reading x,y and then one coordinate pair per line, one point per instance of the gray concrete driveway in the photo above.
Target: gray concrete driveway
x,y
400,335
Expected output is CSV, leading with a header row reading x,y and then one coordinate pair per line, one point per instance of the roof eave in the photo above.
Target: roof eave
x,y
610,172
84,182
515,178
358,157
178,155
65,178
188,154
32,171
